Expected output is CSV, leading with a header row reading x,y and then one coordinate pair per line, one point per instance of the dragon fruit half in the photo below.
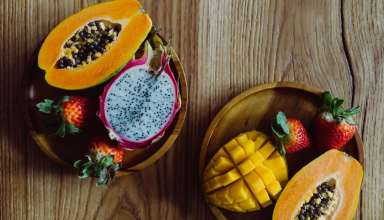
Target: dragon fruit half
x,y
141,102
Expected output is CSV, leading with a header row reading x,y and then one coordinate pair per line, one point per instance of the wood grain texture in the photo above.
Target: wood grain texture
x,y
226,46
364,30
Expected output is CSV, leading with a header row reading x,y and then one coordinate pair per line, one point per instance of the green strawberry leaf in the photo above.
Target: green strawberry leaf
x,y
281,121
77,164
46,106
327,98
103,177
107,161
65,98
350,120
281,149
352,111
66,128
279,135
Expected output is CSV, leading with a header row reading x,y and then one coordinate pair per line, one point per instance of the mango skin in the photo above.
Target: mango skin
x,y
246,174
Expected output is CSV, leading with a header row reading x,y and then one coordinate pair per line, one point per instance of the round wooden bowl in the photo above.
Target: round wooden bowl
x,y
254,109
73,147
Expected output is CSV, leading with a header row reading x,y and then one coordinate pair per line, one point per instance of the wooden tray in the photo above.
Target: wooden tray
x,y
66,150
254,109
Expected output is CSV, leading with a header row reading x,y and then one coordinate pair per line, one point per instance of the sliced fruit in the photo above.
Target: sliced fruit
x,y
92,45
237,179
278,165
329,185
139,104
267,149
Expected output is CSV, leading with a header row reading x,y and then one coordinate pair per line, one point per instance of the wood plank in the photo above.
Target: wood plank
x,y
364,31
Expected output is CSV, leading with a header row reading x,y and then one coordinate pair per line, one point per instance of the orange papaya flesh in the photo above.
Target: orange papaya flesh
x,y
329,185
135,26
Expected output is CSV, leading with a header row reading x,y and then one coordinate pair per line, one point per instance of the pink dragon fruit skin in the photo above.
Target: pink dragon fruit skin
x,y
136,66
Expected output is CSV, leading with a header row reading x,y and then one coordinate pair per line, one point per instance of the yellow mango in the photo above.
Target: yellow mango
x,y
278,165
231,144
237,154
265,174
222,164
249,147
274,189
267,149
223,197
209,173
254,182
245,174
252,135
229,177
263,198
242,138
256,158
246,167
260,140
223,180
238,191
249,205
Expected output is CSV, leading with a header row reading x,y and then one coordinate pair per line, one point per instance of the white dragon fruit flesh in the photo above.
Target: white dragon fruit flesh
x,y
139,104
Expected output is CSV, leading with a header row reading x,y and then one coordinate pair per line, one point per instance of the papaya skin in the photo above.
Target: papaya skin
x,y
136,25
332,165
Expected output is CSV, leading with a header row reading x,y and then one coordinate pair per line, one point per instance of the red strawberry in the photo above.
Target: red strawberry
x,y
104,159
73,110
290,134
334,126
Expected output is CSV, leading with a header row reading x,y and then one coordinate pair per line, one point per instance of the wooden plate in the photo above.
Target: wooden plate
x,y
254,109
66,150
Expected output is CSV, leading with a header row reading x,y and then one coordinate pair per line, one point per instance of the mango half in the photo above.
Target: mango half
x,y
246,174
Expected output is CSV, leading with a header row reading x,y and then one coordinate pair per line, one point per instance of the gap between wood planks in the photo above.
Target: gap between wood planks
x,y
351,72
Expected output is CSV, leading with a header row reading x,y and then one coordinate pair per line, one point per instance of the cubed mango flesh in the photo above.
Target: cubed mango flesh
x,y
278,165
242,138
246,167
267,149
245,174
274,189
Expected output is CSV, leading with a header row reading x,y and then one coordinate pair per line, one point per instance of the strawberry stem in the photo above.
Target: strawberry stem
x,y
333,105
280,130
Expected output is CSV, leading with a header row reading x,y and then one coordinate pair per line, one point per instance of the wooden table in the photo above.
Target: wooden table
x,y
226,46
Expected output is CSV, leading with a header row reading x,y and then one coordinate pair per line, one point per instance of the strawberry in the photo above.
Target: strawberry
x,y
104,159
73,111
334,126
290,134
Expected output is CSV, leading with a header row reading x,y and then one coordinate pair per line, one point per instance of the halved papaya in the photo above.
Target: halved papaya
x,y
326,188
91,46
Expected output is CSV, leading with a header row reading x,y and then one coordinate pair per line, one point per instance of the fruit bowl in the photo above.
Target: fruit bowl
x,y
254,109
71,148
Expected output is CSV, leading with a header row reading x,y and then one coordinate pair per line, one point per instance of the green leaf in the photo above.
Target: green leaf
x,y
77,164
107,161
65,98
338,103
103,177
66,128
84,174
352,111
281,149
115,167
61,131
46,106
278,134
350,120
327,98
71,129
281,121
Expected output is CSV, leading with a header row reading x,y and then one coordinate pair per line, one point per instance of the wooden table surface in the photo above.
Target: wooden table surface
x,y
226,46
